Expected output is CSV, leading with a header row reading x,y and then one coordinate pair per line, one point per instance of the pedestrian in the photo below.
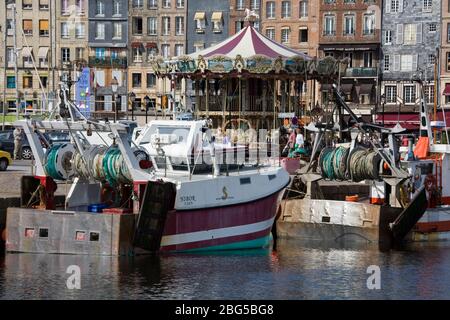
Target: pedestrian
x,y
18,137
299,140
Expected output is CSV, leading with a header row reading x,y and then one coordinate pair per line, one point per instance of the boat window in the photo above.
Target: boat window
x,y
272,176
246,181
94,236
168,134
43,233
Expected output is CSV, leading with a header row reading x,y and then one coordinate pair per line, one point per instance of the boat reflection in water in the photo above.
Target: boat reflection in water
x,y
295,270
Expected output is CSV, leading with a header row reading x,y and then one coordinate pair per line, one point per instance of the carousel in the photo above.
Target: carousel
x,y
249,81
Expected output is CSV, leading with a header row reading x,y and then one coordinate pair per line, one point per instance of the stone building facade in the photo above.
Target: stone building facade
x,y
157,28
108,48
351,29
34,43
444,92
410,39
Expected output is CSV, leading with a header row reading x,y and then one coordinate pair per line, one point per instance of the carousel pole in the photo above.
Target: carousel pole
x,y
289,95
197,99
240,101
274,101
207,97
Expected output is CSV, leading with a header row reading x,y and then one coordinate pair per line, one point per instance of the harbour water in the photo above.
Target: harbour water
x,y
293,271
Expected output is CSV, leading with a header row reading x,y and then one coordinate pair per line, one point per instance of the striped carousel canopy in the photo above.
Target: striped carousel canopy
x,y
248,42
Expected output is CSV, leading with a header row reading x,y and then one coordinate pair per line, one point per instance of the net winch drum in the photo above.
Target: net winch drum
x,y
58,161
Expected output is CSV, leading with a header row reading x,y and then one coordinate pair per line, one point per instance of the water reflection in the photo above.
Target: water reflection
x,y
293,271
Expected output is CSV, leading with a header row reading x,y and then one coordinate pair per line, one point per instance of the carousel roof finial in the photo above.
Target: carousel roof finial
x,y
250,17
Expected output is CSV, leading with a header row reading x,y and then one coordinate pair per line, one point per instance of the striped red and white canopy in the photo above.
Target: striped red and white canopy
x,y
249,42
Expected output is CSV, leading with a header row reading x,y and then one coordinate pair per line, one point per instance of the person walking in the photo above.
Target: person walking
x,y
18,137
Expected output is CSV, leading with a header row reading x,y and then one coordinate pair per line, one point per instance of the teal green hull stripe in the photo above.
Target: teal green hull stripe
x,y
249,244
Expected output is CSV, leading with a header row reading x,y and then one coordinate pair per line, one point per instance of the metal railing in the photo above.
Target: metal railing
x,y
361,72
120,62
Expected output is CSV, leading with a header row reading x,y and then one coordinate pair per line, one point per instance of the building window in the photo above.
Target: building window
x,y
80,6
427,5
388,37
137,26
151,80
410,34
369,24
349,25
151,52
240,5
79,53
329,1
117,30
43,28
409,94
9,27
179,26
270,33
64,30
27,82
27,27
200,22
136,80
11,82
100,31
152,4
64,7
407,62
303,13
254,5
100,53
117,6
165,50
432,27
285,9
100,6
329,27
180,3
239,25
152,26
199,46
79,30
137,54
138,4
448,32
395,6
368,58
44,81
391,94
11,56
270,9
349,56
43,5
166,4
285,35
431,59
179,50
429,93
65,54
387,62
165,26
217,22
303,35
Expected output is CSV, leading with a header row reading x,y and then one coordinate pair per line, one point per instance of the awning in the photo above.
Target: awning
x,y
26,51
303,28
151,45
446,90
216,16
199,16
42,53
136,44
408,121
347,88
366,88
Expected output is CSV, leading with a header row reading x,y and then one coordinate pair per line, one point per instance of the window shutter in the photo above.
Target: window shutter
x,y
388,6
414,62
397,62
400,6
419,33
399,34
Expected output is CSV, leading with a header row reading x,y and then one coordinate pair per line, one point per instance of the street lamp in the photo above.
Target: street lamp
x,y
114,86
147,105
132,97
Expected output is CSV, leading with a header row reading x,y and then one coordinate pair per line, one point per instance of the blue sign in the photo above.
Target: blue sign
x,y
82,96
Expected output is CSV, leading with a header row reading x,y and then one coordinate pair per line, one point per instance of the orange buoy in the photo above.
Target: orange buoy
x,y
353,198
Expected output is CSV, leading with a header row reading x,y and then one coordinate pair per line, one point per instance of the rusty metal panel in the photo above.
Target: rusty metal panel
x,y
45,231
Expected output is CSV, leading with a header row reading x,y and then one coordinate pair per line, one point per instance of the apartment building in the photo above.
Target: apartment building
x,y
31,85
157,29
237,14
351,29
107,55
410,39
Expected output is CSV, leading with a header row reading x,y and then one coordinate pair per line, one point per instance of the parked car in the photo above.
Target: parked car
x,y
7,144
5,160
